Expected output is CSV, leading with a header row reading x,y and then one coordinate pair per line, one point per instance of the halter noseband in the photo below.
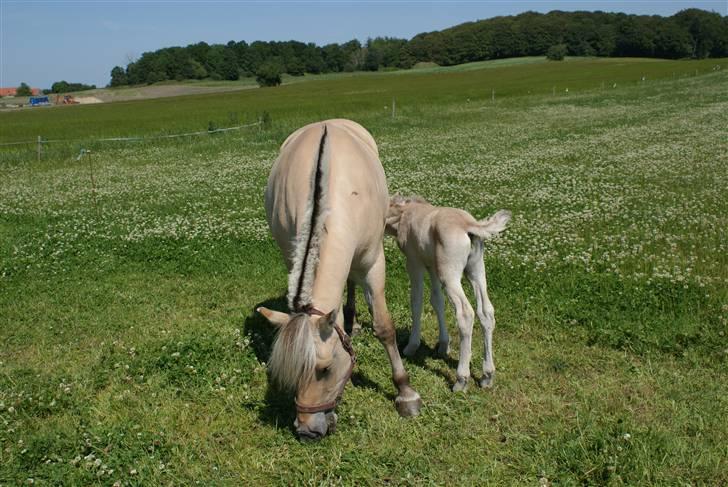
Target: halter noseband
x,y
346,343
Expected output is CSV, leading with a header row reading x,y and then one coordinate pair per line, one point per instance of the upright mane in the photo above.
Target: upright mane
x,y
292,361
308,239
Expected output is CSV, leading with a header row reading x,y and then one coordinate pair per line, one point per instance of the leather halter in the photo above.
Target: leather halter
x,y
346,343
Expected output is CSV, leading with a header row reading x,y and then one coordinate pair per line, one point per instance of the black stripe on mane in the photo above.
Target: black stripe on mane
x,y
314,215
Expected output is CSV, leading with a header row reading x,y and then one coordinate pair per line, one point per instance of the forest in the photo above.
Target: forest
x,y
691,33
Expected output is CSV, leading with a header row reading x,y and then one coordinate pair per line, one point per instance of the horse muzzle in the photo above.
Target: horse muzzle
x,y
316,427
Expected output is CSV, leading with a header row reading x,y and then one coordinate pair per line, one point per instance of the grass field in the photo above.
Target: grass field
x,y
130,353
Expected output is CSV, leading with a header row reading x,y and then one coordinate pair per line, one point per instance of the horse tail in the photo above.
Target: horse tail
x,y
490,227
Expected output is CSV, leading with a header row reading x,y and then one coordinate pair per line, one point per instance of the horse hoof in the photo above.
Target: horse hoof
x,y
411,349
461,385
408,407
443,349
355,330
487,380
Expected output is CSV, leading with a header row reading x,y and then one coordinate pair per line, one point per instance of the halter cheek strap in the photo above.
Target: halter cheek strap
x,y
346,343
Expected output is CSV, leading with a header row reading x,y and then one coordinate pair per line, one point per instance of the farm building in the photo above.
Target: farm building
x,y
13,91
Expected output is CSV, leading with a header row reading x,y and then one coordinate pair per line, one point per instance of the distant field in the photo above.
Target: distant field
x,y
130,352
355,95
163,90
198,87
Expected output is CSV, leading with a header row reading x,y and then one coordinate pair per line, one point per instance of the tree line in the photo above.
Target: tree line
x,y
691,33
65,87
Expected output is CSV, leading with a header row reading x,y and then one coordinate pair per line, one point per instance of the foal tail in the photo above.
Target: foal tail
x,y
490,227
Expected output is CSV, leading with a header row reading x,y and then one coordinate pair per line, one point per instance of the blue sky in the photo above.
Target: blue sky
x,y
80,41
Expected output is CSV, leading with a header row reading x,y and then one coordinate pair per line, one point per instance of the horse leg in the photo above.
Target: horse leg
x,y
464,314
486,315
416,274
438,304
350,324
408,401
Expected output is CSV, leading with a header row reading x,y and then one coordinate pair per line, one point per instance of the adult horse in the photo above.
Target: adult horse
x,y
326,203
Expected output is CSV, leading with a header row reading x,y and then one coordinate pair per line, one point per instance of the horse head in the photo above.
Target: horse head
x,y
311,357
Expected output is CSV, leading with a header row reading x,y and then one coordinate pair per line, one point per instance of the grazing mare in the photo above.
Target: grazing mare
x,y
326,204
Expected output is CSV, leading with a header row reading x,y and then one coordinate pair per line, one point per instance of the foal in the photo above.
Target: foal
x,y
447,242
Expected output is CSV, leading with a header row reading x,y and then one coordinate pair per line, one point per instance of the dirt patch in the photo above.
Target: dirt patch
x,y
85,100
163,91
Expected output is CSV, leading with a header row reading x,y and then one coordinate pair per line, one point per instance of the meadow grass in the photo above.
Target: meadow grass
x,y
131,353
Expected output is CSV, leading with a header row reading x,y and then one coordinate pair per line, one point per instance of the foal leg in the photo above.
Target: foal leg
x,y
475,272
416,274
350,324
438,304
408,402
464,314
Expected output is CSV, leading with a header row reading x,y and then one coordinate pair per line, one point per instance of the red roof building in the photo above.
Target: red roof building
x,y
13,91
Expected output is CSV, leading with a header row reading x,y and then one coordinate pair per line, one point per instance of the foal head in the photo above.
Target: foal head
x,y
308,359
398,205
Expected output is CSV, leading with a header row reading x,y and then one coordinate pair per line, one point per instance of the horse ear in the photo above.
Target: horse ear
x,y
394,215
276,318
326,322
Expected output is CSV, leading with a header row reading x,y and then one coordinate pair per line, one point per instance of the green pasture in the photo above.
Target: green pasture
x,y
130,353
351,95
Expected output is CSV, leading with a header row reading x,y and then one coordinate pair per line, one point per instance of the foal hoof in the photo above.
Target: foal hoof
x,y
410,350
443,349
460,385
487,380
408,407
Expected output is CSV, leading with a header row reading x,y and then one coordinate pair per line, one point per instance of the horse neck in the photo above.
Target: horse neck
x,y
332,272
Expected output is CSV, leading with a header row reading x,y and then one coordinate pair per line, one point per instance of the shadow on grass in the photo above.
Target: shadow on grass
x,y
279,409
262,332
425,351
360,379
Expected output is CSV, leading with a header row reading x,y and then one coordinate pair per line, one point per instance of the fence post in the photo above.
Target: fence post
x,y
93,180
39,147
394,107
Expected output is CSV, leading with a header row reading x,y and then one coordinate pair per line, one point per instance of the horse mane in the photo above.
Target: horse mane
x,y
307,246
292,361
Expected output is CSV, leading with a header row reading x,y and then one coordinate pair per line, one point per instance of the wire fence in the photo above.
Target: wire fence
x,y
39,141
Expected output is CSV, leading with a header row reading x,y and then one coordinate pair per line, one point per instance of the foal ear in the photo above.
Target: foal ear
x,y
326,322
276,318
397,200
